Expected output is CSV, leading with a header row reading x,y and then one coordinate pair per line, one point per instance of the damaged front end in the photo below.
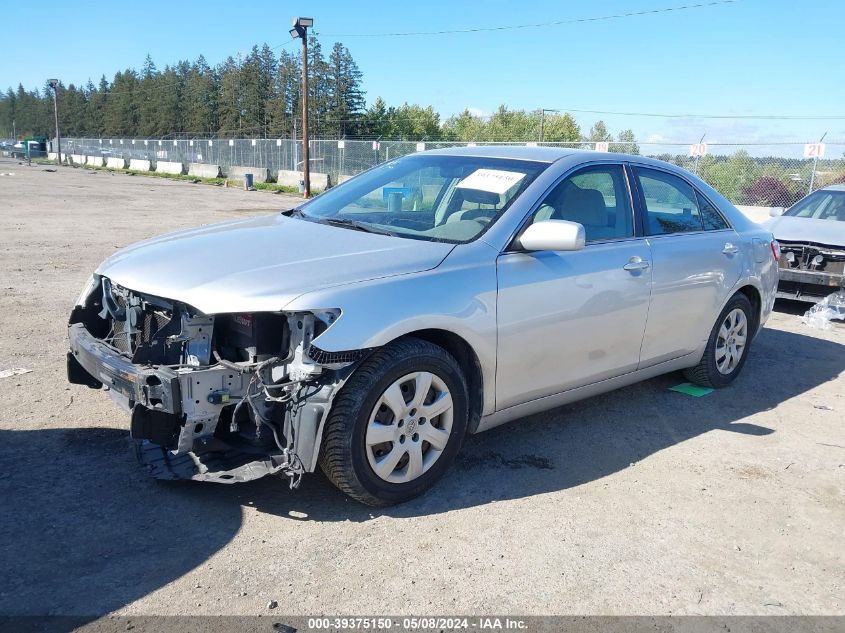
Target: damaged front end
x,y
809,271
225,397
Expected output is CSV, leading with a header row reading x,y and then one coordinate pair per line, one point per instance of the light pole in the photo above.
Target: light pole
x,y
543,121
300,30
54,84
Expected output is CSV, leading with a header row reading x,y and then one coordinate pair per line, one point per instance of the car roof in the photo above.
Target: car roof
x,y
518,152
547,154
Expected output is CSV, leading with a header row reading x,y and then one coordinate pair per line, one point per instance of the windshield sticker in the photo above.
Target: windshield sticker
x,y
492,180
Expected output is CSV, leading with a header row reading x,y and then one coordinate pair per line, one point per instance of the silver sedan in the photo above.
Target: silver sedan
x,y
443,293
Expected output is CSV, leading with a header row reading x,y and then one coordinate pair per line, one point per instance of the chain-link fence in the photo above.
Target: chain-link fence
x,y
747,174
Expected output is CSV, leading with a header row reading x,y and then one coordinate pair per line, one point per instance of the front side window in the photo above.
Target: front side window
x,y
670,204
821,205
596,197
428,197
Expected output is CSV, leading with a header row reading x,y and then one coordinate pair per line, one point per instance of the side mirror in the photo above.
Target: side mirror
x,y
552,235
776,212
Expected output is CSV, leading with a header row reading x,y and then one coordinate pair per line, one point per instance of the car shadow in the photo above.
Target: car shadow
x,y
84,531
593,438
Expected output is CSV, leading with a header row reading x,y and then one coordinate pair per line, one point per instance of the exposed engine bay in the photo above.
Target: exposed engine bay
x,y
810,271
226,397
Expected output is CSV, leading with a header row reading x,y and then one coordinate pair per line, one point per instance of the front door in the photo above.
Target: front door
x,y
567,319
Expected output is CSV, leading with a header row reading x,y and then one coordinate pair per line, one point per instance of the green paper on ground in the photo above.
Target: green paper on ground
x,y
691,389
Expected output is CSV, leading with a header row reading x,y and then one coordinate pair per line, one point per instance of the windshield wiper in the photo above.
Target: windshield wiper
x,y
356,225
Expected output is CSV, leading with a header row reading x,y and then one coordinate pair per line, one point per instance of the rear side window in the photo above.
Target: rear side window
x,y
670,203
713,220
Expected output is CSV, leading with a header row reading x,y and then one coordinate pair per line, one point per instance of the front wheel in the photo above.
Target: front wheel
x,y
397,423
727,347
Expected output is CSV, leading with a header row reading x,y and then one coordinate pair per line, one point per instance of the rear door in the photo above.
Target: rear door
x,y
696,261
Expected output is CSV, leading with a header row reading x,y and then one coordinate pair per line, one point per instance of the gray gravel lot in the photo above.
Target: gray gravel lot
x,y
643,501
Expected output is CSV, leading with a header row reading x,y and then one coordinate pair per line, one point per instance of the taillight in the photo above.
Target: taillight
x,y
775,249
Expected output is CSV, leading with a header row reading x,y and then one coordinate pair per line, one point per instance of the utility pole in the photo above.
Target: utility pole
x,y
14,131
300,30
54,84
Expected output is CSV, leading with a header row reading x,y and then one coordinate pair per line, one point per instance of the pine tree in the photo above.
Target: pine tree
x,y
345,93
318,89
200,100
286,102
121,112
147,99
229,105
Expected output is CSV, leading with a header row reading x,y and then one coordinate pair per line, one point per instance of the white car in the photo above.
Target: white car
x,y
811,234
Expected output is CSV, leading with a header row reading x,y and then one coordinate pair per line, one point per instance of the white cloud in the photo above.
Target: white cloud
x,y
477,112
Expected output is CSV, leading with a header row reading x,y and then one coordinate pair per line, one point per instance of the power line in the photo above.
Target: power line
x,y
769,117
615,16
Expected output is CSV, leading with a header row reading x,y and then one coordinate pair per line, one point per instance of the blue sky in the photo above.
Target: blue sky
x,y
748,58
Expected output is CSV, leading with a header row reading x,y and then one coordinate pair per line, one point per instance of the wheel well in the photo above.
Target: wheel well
x,y
756,302
467,359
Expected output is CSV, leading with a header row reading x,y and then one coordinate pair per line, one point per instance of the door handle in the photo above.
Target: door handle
x,y
636,263
730,249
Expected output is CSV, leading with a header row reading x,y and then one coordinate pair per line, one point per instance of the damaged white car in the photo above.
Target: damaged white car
x,y
442,293
811,235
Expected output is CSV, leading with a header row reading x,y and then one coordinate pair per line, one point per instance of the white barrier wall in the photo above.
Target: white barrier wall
x,y
139,164
200,170
78,159
166,167
116,162
292,178
95,161
756,214
53,155
259,174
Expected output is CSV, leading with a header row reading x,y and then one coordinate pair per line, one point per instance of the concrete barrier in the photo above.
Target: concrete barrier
x,y
53,155
77,159
139,164
292,178
200,170
343,178
166,167
95,161
259,174
755,213
65,157
116,162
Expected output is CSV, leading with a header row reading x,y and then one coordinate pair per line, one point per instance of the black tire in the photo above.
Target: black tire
x,y
706,373
343,455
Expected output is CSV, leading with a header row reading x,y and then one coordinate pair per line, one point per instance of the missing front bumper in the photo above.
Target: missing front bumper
x,y
805,285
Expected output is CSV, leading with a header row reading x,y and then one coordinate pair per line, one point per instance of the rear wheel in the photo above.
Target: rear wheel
x,y
727,347
396,424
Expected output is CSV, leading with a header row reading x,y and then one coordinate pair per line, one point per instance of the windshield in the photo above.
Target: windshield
x,y
428,197
821,205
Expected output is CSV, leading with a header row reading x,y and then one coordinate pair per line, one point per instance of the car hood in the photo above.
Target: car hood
x,y
263,263
790,229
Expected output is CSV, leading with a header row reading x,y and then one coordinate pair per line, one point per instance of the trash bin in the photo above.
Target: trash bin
x,y
394,202
247,181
